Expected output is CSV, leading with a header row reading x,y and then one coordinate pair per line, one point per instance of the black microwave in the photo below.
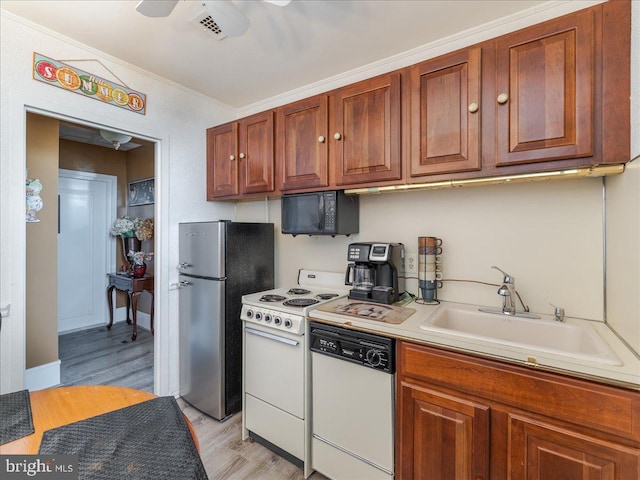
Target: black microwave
x,y
320,213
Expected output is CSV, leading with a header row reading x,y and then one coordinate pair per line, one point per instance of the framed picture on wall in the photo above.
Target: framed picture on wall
x,y
141,192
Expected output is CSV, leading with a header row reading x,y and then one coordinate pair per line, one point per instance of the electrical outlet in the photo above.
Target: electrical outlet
x,y
411,265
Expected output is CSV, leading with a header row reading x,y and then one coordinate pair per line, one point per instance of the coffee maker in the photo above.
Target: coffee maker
x,y
374,272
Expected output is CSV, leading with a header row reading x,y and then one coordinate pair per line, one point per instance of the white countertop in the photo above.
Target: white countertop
x,y
626,375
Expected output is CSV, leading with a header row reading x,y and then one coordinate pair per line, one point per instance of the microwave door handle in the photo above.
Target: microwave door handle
x,y
321,216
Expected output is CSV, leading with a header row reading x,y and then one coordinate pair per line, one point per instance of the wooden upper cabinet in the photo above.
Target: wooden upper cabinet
x,y
302,145
446,114
550,96
364,131
222,162
256,153
545,96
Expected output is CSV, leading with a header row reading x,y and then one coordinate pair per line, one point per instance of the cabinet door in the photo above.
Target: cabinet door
x,y
301,148
222,164
545,91
441,436
256,155
364,129
539,451
446,114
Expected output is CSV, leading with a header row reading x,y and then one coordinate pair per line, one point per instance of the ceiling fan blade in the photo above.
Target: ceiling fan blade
x,y
156,8
231,21
280,3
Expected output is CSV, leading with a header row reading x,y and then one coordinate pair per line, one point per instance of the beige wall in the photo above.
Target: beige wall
x,y
42,244
95,159
548,235
623,254
140,162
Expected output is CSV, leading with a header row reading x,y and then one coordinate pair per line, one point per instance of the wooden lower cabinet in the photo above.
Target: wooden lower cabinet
x,y
542,451
443,436
464,418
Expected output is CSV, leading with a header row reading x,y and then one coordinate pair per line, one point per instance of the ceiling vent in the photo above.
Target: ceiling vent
x,y
207,24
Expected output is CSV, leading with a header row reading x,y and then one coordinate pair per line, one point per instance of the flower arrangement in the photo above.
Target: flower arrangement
x,y
138,258
127,227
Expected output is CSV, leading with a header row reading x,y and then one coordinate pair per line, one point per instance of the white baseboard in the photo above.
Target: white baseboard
x,y
43,376
119,315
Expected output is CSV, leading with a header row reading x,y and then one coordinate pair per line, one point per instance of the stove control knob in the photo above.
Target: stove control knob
x,y
277,321
267,318
249,313
258,316
288,323
374,358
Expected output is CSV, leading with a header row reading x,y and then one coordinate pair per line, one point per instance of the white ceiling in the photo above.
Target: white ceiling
x,y
284,49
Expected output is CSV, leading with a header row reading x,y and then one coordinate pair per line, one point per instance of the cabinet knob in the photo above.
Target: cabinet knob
x,y
320,139
232,157
473,107
242,155
337,136
502,98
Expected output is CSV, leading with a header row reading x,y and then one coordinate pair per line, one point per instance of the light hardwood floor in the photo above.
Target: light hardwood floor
x,y
226,456
98,356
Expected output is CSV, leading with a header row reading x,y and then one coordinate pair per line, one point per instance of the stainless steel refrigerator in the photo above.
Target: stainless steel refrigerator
x,y
218,263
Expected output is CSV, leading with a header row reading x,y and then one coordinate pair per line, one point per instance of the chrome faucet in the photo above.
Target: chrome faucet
x,y
509,293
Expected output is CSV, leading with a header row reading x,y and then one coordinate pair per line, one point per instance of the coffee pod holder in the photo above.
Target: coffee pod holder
x,y
429,269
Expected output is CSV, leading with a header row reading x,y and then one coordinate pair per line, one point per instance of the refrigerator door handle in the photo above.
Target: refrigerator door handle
x,y
184,265
270,336
183,284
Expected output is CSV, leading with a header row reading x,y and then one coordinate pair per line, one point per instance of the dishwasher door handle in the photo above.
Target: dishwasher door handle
x,y
271,336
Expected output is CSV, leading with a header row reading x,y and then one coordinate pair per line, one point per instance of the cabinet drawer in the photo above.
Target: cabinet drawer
x,y
122,283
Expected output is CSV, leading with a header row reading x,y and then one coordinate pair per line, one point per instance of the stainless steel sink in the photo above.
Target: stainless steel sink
x,y
576,339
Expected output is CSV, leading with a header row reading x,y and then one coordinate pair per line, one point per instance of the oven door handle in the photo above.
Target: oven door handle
x,y
271,336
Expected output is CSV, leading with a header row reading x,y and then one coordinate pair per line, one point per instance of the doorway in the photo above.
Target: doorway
x,y
83,159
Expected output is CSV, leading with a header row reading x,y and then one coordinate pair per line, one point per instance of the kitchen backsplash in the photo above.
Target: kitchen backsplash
x,y
548,235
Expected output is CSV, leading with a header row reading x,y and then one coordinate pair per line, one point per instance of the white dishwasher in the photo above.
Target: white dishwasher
x,y
352,403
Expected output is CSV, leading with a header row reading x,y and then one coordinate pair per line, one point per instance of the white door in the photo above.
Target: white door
x,y
85,252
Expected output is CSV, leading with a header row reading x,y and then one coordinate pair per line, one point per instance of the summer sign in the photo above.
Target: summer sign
x,y
60,75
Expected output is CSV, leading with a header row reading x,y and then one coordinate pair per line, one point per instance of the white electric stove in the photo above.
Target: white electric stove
x,y
285,308
276,362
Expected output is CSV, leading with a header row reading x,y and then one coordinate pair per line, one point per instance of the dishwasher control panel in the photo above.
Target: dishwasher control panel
x,y
369,350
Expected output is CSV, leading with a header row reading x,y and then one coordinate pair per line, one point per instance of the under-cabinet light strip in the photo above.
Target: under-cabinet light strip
x,y
599,171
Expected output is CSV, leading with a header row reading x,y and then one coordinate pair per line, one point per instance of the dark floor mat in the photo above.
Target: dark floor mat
x,y
150,440
15,416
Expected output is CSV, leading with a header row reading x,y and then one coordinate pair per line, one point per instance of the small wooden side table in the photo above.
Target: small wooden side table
x,y
134,287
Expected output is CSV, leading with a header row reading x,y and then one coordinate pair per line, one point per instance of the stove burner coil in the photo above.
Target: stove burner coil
x,y
272,298
300,302
298,291
326,296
